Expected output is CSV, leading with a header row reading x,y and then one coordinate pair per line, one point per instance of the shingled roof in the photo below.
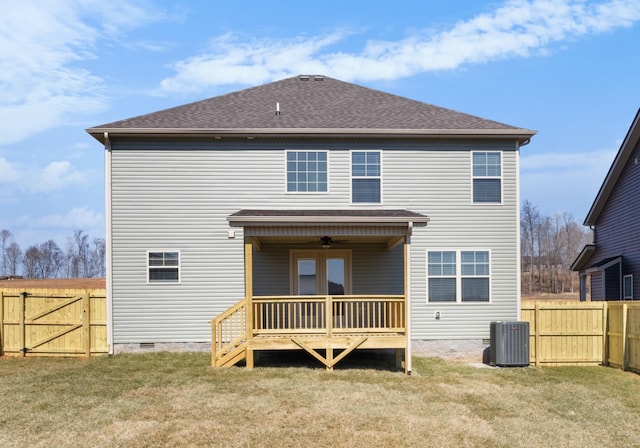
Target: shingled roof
x,y
309,105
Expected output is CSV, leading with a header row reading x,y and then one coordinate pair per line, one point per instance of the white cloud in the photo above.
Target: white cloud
x,y
29,229
19,178
43,43
233,62
56,176
8,173
517,29
76,218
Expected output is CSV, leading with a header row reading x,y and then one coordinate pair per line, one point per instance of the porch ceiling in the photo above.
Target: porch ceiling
x,y
306,228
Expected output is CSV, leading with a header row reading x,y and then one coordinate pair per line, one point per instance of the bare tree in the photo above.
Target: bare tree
x,y
30,262
83,258
576,236
529,226
98,255
79,254
550,245
543,242
14,257
50,260
5,237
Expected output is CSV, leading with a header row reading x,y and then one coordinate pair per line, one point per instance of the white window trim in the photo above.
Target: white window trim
x,y
286,189
459,275
381,176
501,177
624,296
149,282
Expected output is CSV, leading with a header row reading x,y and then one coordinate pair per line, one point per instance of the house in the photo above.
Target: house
x,y
309,213
613,260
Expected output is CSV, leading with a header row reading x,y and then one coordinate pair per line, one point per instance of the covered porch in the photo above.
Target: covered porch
x,y
325,281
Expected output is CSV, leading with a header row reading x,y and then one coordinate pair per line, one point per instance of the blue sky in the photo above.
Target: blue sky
x,y
566,68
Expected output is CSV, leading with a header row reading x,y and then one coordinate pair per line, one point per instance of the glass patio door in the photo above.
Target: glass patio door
x,y
321,272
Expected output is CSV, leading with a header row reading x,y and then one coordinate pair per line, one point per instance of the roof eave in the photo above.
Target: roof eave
x,y
522,135
243,221
628,144
583,257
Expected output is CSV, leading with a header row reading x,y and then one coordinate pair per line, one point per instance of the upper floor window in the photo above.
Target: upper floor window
x,y
487,177
458,276
366,175
306,171
164,267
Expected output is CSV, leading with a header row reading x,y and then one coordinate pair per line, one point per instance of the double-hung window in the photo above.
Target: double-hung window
x,y
442,276
458,276
163,267
366,177
306,171
487,177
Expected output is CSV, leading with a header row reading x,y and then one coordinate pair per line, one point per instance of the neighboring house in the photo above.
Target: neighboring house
x,y
317,187
612,262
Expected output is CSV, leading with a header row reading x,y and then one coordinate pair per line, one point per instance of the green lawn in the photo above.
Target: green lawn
x,y
178,400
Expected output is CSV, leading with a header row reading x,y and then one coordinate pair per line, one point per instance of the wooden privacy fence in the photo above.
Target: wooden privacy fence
x,y
584,333
623,333
53,322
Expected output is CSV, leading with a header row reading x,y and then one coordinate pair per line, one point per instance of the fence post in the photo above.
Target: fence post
x,y
86,322
1,323
625,362
605,333
21,324
537,334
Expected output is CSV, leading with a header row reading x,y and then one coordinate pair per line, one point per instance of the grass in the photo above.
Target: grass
x,y
178,400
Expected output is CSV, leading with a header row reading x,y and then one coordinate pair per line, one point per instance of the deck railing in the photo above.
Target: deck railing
x,y
295,316
229,334
353,314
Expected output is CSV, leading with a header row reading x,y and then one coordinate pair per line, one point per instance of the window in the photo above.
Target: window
x,y
365,177
442,276
628,287
487,177
164,267
306,171
458,276
475,276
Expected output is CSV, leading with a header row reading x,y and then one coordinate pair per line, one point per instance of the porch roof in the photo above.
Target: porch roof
x,y
312,227
266,217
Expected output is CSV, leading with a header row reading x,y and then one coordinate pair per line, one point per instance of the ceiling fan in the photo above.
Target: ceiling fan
x,y
326,242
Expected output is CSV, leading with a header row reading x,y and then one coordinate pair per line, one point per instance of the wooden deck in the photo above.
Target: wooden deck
x,y
320,325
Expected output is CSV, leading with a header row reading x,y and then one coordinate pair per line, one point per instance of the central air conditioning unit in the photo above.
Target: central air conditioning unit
x,y
509,344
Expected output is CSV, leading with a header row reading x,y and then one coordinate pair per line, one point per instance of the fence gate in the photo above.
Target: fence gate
x,y
47,323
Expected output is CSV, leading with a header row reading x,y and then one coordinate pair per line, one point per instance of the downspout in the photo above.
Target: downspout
x,y
108,240
407,293
518,242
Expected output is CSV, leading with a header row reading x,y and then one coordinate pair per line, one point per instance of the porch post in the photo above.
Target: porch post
x,y
248,292
407,300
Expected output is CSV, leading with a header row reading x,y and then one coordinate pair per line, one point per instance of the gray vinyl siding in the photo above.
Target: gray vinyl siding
x,y
177,196
617,231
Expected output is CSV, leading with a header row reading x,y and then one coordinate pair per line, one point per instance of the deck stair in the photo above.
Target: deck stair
x,y
320,325
229,336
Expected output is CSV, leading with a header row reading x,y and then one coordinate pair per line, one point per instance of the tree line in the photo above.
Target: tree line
x,y
549,245
83,257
